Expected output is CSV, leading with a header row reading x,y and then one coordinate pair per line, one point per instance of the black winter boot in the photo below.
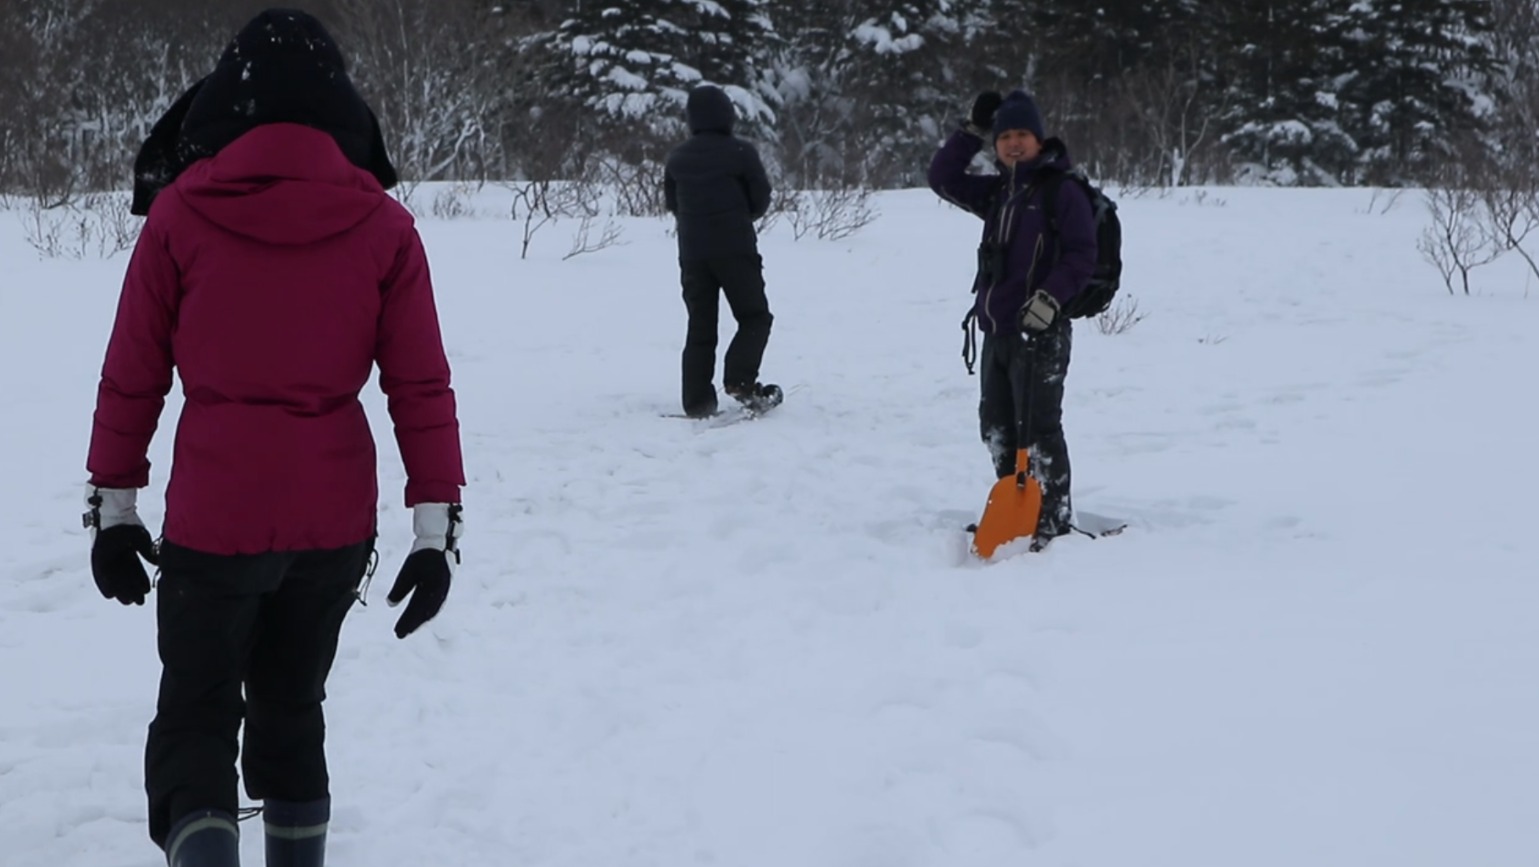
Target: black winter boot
x,y
296,832
756,397
205,838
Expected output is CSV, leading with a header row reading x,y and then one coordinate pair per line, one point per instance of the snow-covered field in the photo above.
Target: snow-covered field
x,y
765,645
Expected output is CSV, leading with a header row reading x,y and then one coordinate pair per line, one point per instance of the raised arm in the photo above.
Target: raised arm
x,y
949,178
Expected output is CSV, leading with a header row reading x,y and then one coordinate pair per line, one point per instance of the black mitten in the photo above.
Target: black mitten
x,y
982,116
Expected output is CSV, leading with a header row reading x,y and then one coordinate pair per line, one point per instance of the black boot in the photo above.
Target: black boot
x,y
205,838
756,397
296,832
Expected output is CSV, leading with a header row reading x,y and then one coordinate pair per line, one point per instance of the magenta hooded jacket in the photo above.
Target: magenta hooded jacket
x,y
272,278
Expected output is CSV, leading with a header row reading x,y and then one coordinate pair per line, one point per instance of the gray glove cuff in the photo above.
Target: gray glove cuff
x,y
438,526
109,507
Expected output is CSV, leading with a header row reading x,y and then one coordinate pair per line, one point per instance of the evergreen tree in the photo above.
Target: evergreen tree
x,y
1284,69
1420,64
869,87
1004,41
628,65
1104,41
899,70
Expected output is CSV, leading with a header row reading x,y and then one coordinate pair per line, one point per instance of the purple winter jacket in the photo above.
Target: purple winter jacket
x,y
1010,204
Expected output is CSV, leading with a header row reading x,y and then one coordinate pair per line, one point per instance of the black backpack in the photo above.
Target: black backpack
x,y
1107,277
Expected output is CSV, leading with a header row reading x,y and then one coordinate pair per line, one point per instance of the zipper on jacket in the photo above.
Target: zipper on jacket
x,y
1031,273
1004,220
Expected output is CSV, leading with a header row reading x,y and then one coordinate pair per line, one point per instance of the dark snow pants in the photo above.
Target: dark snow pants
x,y
1032,371
741,279
265,624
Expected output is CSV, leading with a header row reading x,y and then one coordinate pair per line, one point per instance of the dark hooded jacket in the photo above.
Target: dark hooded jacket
x,y
715,183
1011,205
282,67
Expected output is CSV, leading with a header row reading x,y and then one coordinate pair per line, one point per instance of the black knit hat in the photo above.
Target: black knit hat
x,y
1019,111
282,67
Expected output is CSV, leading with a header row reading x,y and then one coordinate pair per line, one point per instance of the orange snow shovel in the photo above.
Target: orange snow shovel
x,y
1015,501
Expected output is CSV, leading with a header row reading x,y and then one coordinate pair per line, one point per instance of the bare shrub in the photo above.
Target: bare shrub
x,y
453,202
1202,199
537,204
1508,191
99,225
782,201
44,229
1457,242
1511,214
584,241
532,208
1383,200
1120,317
830,214
637,188
405,192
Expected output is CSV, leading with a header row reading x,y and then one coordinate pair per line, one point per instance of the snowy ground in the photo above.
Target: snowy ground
x,y
764,645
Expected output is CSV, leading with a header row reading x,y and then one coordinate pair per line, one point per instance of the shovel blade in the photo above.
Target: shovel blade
x,y
1015,503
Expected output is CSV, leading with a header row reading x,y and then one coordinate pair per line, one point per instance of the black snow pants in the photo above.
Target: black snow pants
x,y
1034,371
741,279
251,638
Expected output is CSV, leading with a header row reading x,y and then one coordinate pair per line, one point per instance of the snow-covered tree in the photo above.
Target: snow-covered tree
x,y
868,87
1419,66
629,66
1285,67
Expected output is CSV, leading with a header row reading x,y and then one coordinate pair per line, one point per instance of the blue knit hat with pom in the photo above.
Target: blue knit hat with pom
x,y
1019,111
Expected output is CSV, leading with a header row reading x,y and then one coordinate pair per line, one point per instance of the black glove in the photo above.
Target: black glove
x,y
115,562
425,575
428,569
118,541
982,116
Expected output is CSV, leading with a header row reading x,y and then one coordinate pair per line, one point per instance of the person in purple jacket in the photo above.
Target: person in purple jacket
x,y
1031,265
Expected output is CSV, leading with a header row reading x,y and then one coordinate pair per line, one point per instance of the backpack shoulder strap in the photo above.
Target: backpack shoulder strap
x,y
1055,179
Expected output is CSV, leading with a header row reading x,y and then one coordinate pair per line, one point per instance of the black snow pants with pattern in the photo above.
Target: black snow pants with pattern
x,y
1031,371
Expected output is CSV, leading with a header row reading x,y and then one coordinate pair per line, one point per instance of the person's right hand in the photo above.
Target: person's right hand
x,y
982,116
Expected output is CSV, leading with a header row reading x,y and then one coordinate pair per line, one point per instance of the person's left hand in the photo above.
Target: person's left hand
x,y
429,567
1039,312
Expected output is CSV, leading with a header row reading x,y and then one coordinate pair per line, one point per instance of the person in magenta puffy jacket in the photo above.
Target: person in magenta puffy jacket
x,y
1026,276
272,274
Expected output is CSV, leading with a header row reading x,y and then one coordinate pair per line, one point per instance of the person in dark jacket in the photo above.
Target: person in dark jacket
x,y
272,274
1026,276
716,187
